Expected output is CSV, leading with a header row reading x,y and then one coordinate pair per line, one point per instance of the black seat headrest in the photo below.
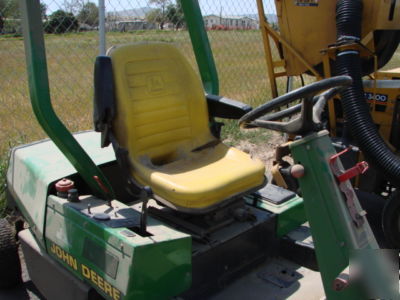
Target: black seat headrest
x,y
104,100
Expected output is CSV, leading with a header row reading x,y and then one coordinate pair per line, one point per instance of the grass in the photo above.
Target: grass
x,y
239,58
70,57
232,134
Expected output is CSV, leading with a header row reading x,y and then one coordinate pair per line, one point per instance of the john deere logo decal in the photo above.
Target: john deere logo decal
x,y
155,83
89,274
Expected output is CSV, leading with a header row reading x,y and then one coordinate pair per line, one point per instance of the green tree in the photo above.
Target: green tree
x,y
89,14
159,15
43,11
154,16
73,6
175,15
8,9
61,21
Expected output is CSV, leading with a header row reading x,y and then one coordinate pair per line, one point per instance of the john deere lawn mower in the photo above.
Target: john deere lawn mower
x,y
355,38
154,206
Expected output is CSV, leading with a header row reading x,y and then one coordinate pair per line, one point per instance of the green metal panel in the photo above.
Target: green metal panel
x,y
201,45
332,229
290,214
292,217
41,103
117,266
34,167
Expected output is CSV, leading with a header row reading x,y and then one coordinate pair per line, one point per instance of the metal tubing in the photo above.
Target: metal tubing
x,y
267,50
201,46
41,102
102,28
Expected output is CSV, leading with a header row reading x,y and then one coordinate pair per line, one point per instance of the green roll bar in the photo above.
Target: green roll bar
x,y
201,45
41,102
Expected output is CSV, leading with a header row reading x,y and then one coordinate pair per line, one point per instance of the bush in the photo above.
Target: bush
x,y
61,22
12,26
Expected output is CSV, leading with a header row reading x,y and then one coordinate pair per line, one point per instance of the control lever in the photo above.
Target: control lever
x,y
148,193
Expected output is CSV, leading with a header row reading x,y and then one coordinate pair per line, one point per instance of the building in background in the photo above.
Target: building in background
x,y
124,26
230,22
129,20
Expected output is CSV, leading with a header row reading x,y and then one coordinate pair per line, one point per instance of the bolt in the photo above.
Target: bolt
x,y
361,214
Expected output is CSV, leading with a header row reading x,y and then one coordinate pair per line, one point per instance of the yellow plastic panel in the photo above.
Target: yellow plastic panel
x,y
204,178
388,17
161,118
382,100
309,26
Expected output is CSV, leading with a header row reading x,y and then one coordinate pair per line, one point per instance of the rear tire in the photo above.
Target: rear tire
x,y
10,267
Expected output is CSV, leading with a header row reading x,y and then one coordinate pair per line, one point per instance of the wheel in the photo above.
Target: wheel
x,y
10,267
391,220
311,108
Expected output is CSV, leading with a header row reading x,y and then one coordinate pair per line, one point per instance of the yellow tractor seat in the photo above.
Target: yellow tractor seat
x,y
162,121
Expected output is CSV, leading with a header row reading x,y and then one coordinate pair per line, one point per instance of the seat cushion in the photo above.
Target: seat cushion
x,y
201,179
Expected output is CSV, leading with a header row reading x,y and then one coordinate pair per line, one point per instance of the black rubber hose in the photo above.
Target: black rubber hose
x,y
348,19
355,106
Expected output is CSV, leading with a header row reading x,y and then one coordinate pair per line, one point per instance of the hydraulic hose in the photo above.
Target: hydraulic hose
x,y
355,106
348,19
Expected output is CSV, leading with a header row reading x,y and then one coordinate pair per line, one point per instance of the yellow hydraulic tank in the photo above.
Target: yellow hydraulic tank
x,y
309,26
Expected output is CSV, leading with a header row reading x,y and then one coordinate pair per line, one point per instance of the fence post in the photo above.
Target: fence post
x,y
102,28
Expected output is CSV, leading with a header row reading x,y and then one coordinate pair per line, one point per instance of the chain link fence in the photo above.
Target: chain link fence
x,y
72,43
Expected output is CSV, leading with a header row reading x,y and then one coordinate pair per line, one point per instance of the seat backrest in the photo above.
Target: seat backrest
x,y
161,111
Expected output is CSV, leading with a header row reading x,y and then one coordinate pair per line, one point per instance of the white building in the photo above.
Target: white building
x,y
229,22
124,26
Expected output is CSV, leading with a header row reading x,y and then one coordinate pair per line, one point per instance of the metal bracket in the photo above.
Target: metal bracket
x,y
359,168
343,177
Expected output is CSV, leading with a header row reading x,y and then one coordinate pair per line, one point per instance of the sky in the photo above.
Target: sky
x,y
227,7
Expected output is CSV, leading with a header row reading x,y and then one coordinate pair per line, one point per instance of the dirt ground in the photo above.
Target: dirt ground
x,y
263,151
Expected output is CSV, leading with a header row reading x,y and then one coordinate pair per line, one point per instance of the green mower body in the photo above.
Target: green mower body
x,y
115,260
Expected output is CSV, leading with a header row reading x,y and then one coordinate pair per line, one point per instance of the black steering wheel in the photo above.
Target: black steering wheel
x,y
310,108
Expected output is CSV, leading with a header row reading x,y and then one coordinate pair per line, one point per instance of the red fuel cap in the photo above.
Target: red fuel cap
x,y
64,185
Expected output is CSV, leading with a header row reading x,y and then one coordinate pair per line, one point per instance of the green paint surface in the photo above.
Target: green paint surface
x,y
35,167
155,267
290,214
333,232
201,46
